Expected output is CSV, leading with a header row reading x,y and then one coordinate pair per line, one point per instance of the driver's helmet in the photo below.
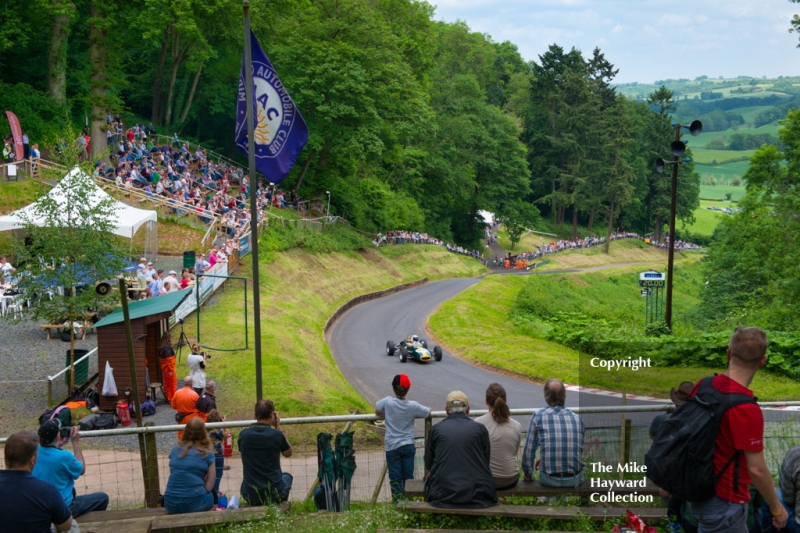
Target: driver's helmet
x,y
414,338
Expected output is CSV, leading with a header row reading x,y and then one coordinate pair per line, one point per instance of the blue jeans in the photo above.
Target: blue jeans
x,y
220,464
555,481
97,501
716,515
178,505
765,518
400,462
269,494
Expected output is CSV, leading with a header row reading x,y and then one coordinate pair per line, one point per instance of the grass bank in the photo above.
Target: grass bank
x,y
300,289
13,196
477,326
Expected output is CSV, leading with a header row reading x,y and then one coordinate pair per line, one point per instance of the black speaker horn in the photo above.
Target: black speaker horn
x,y
102,288
695,128
661,163
677,148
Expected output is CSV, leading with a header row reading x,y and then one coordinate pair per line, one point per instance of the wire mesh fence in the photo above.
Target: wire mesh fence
x,y
133,469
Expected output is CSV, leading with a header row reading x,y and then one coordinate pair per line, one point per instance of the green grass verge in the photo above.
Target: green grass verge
x,y
476,326
299,291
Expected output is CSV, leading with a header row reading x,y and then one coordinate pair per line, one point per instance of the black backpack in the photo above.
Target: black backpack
x,y
681,458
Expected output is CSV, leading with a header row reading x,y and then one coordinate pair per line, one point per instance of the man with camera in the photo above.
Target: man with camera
x,y
197,366
61,468
262,446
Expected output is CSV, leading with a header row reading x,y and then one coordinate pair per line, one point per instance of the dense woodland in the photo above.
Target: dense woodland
x,y
414,123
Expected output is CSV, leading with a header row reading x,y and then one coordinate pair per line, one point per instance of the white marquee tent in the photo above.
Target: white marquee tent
x,y
127,219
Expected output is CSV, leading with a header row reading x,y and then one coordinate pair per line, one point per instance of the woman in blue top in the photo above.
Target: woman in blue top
x,y
191,472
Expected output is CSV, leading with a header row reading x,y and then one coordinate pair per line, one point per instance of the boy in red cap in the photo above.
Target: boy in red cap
x,y
400,414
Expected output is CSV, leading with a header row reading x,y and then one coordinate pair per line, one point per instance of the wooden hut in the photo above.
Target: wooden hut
x,y
148,322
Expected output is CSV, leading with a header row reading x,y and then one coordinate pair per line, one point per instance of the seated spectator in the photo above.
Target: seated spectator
x,y
29,504
262,446
559,432
192,472
505,437
62,468
457,454
788,492
400,414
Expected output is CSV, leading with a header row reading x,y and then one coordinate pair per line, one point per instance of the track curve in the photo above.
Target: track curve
x,y
358,344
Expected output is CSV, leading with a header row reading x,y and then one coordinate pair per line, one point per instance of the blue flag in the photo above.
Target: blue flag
x,y
280,131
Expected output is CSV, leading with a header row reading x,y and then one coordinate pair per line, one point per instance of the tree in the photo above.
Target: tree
x,y
518,217
68,243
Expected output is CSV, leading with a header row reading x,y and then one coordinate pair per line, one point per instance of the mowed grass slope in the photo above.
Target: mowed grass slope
x,y
299,291
476,325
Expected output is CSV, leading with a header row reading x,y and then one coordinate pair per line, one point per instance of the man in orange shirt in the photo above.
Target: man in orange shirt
x,y
184,402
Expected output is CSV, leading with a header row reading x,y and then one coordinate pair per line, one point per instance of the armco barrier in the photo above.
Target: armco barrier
x,y
367,297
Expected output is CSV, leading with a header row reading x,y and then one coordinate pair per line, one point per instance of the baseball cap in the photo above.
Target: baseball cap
x,y
143,259
681,394
172,272
49,430
149,264
401,380
457,399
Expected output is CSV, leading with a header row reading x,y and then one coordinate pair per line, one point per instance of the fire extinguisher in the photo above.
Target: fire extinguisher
x,y
227,444
123,414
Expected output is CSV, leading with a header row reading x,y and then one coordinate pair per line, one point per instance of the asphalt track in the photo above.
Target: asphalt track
x,y
358,345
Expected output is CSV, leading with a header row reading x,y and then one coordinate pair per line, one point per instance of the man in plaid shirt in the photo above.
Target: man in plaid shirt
x,y
559,432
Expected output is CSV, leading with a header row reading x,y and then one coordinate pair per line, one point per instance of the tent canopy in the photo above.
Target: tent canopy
x,y
127,219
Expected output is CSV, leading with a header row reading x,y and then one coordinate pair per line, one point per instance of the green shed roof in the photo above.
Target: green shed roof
x,y
152,306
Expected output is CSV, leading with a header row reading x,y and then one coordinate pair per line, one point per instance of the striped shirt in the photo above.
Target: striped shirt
x,y
789,480
559,433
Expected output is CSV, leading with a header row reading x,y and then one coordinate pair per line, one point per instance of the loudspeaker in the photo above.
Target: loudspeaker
x,y
102,288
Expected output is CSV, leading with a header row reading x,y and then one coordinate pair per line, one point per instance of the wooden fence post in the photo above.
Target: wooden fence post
x,y
152,489
377,492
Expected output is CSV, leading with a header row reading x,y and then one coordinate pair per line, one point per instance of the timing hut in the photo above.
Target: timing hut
x,y
148,322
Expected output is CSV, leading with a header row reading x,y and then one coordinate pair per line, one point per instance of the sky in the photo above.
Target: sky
x,y
647,40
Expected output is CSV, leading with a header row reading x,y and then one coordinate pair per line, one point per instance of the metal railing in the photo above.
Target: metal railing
x,y
58,385
132,474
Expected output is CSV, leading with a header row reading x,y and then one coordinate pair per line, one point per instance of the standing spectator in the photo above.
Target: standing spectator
x,y
400,450
62,468
30,505
789,493
197,367
739,448
184,402
217,436
35,155
171,283
141,277
80,141
155,286
201,265
26,147
207,402
176,142
166,358
192,472
457,457
262,446
505,436
559,432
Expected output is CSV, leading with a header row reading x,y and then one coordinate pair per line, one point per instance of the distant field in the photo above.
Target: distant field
x,y
726,171
705,220
727,92
719,191
705,157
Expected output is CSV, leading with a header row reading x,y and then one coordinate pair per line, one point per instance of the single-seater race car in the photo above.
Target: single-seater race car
x,y
413,348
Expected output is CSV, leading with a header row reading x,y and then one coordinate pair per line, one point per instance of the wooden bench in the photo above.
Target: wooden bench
x,y
536,511
58,327
158,521
415,488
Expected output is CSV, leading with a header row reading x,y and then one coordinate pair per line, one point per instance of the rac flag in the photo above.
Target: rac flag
x,y
280,131
16,133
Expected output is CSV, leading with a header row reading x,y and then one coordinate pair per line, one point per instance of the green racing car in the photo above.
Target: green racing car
x,y
413,348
